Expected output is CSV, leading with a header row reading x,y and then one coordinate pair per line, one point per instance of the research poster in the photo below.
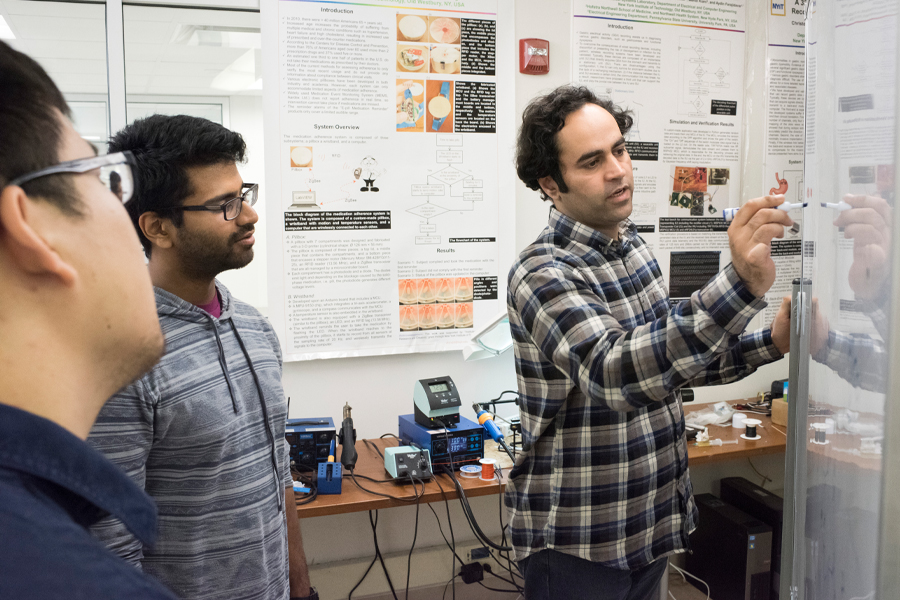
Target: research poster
x,y
390,221
785,130
678,66
862,118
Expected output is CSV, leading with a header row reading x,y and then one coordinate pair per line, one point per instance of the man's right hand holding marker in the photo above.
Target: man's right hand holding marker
x,y
750,237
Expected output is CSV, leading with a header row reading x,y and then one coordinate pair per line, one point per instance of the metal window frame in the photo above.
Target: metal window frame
x,y
888,569
115,53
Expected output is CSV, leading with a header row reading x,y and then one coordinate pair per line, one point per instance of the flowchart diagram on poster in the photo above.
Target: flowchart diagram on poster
x,y
448,189
704,67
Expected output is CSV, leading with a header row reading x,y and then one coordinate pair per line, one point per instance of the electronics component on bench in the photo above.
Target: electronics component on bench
x,y
403,462
329,478
487,421
470,471
348,440
309,440
465,442
436,402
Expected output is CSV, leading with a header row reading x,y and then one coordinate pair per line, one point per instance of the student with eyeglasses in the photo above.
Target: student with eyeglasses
x,y
77,322
203,432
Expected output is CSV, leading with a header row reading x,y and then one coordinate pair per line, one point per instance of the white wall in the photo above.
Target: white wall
x,y
249,283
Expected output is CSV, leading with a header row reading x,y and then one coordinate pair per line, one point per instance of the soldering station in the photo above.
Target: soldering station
x,y
435,443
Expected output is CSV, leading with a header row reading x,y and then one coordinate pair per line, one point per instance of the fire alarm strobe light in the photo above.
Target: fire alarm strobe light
x,y
534,56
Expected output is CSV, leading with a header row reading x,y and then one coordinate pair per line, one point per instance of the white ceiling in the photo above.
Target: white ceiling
x,y
69,40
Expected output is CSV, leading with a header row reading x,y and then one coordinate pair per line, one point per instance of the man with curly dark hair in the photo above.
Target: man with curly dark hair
x,y
600,494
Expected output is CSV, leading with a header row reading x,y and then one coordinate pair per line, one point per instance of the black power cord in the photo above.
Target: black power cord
x,y
415,534
479,534
307,481
470,516
452,538
508,566
374,524
380,557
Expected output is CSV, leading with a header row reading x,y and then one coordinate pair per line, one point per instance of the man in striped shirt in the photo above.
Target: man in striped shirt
x,y
600,494
203,432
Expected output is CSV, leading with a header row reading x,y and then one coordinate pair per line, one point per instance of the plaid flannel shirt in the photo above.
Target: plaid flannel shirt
x,y
600,357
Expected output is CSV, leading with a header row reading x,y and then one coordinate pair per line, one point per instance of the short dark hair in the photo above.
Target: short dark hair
x,y
537,155
164,148
32,131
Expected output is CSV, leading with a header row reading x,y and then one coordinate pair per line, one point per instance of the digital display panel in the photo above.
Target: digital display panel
x,y
457,444
438,387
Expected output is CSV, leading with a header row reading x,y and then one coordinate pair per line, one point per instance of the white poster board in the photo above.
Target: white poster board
x,y
388,214
678,65
785,130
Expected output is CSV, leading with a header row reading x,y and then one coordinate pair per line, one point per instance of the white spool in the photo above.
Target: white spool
x,y
752,424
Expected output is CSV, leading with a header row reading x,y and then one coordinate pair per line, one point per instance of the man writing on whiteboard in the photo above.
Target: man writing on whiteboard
x,y
600,494
203,432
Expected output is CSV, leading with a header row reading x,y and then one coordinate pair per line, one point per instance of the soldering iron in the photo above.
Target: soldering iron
x,y
348,440
487,421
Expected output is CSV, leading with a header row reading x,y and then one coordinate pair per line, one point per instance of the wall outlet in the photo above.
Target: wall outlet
x,y
481,554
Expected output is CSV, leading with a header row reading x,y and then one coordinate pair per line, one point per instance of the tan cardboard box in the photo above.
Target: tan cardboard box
x,y
779,412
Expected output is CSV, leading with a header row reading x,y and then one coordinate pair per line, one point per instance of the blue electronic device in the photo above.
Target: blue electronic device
x,y
329,478
465,442
309,440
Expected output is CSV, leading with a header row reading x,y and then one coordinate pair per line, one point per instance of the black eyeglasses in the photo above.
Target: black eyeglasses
x,y
231,209
114,171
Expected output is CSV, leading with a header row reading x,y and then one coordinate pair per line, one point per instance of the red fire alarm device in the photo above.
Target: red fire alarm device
x,y
534,56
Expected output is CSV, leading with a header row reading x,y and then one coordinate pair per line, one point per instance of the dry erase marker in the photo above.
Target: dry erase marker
x,y
839,206
729,213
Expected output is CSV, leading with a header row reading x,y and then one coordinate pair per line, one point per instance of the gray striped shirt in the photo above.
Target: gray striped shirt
x,y
192,433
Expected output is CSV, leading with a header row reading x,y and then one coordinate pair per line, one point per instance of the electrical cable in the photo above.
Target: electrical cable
x,y
415,535
375,448
372,479
452,580
447,440
510,452
764,478
489,569
440,529
452,538
379,555
683,573
415,497
509,566
470,516
486,420
503,393
481,583
306,480
359,583
374,558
